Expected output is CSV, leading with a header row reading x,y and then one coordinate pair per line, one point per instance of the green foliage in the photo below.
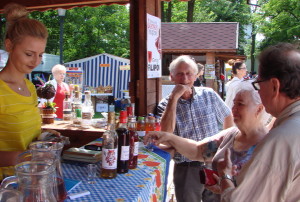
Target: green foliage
x,y
280,21
216,11
88,31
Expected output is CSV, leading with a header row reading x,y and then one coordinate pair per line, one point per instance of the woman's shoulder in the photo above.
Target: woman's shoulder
x,y
228,135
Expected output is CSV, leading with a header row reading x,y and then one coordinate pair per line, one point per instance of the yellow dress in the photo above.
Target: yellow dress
x,y
20,121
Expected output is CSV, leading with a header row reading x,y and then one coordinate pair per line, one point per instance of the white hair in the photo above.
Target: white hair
x,y
58,67
246,86
183,59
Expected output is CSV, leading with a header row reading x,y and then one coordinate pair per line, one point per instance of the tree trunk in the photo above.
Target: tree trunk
x,y
163,17
2,31
169,12
190,13
253,40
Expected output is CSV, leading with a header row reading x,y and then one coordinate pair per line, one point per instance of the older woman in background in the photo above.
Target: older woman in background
x,y
250,119
59,74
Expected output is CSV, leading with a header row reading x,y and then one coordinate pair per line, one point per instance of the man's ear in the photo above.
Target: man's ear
x,y
275,86
171,77
259,109
8,45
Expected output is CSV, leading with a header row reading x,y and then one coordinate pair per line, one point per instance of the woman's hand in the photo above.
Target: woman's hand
x,y
158,137
215,188
224,165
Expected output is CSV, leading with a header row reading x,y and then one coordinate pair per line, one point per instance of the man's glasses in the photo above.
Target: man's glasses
x,y
256,85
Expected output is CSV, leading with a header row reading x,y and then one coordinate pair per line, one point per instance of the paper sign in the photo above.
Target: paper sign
x,y
100,107
104,65
209,71
153,46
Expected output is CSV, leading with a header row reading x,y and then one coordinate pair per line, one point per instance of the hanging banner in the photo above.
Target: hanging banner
x,y
153,46
74,75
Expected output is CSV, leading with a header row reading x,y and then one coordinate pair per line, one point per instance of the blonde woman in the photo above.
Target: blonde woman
x,y
20,121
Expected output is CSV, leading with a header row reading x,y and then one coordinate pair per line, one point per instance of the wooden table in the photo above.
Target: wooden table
x,y
78,136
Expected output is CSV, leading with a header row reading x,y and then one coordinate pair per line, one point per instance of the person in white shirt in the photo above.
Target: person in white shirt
x,y
239,70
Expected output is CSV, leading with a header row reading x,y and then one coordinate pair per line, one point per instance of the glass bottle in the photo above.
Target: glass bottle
x,y
67,108
77,109
87,110
150,124
140,129
123,143
134,143
157,123
109,153
111,114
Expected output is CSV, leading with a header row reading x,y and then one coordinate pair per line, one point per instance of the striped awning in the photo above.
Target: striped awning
x,y
105,70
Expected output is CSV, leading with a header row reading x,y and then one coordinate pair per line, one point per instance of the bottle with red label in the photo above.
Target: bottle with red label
x,y
134,143
123,143
109,153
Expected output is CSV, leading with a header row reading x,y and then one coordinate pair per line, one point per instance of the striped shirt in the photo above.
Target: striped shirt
x,y
20,121
198,117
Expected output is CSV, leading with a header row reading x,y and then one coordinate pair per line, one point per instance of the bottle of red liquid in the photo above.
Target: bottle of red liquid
x,y
150,124
123,144
134,143
157,123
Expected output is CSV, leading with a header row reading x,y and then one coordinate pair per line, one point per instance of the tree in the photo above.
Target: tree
x,y
89,31
190,11
280,22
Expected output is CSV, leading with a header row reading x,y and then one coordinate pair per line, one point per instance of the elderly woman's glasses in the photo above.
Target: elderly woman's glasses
x,y
256,85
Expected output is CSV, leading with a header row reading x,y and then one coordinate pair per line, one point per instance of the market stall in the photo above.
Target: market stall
x,y
104,70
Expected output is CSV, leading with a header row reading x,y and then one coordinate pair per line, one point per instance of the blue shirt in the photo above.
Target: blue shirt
x,y
198,117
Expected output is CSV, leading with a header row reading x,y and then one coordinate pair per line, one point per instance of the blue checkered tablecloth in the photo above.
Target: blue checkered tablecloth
x,y
145,183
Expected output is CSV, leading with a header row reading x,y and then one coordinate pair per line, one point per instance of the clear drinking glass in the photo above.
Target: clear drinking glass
x,y
91,173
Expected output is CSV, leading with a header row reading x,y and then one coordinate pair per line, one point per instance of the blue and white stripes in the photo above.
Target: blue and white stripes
x,y
96,75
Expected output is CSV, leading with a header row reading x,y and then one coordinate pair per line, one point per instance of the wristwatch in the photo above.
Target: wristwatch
x,y
226,177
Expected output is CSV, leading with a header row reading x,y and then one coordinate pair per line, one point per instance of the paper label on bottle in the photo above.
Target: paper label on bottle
x,y
124,153
136,148
86,115
141,133
109,158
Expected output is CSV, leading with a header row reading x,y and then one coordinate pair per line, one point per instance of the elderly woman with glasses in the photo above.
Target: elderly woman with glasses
x,y
250,120
239,70
59,74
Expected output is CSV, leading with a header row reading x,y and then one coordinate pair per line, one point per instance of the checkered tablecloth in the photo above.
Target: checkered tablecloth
x,y
145,183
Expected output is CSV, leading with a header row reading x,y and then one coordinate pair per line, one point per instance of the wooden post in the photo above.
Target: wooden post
x,y
146,93
210,59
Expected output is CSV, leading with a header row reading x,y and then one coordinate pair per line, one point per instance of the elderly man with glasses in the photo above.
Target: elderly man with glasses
x,y
273,172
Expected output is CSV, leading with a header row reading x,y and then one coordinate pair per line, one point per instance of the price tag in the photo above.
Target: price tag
x,y
100,107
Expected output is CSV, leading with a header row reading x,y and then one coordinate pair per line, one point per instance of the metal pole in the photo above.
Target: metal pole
x,y
61,38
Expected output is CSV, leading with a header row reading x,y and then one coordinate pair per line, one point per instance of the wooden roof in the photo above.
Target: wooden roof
x,y
200,37
43,5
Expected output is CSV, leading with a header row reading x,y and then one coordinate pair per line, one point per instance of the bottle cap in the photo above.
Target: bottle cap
x,y
141,118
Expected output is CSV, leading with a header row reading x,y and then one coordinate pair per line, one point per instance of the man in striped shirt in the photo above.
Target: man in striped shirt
x,y
193,113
